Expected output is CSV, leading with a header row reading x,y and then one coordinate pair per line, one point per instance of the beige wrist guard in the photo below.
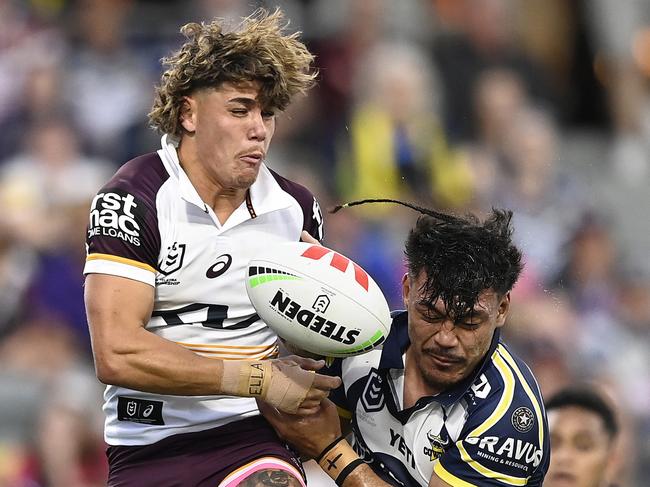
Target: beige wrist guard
x,y
281,385
338,460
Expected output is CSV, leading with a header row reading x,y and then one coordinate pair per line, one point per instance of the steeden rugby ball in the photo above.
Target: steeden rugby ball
x,y
318,299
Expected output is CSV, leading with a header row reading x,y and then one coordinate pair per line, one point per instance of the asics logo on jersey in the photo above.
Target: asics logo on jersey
x,y
316,252
112,214
221,266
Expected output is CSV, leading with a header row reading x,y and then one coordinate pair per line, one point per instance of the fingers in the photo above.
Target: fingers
x,y
306,363
326,382
306,237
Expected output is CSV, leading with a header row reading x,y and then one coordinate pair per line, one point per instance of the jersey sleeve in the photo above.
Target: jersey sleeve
x,y
333,368
123,238
504,441
314,221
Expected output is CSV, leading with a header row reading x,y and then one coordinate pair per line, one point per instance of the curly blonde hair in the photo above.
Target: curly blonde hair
x,y
257,50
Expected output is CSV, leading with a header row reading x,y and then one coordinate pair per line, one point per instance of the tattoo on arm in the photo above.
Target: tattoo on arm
x,y
271,478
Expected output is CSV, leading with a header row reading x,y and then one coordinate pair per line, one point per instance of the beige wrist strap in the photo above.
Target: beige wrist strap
x,y
284,386
338,460
246,378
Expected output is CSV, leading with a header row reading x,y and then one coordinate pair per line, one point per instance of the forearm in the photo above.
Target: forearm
x,y
344,466
146,362
363,476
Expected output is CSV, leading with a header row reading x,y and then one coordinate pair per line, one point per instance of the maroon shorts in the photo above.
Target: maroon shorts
x,y
220,456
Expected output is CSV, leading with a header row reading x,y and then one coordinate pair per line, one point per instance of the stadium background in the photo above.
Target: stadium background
x,y
541,106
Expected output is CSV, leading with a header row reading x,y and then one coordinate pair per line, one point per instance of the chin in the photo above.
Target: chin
x,y
245,181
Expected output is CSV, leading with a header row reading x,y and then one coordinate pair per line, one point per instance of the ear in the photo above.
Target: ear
x,y
406,289
188,113
502,311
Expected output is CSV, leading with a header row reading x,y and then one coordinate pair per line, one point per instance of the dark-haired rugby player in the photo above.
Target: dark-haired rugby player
x,y
444,403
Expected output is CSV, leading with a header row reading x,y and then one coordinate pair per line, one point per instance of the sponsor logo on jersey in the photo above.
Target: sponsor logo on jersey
x,y
481,387
438,444
174,259
219,267
309,319
139,410
507,451
317,215
523,419
372,398
115,214
398,443
316,252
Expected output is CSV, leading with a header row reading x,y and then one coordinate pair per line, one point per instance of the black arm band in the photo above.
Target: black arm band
x,y
328,448
347,471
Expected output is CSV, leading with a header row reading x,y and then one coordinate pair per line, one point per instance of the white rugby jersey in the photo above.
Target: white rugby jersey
x,y
148,223
489,430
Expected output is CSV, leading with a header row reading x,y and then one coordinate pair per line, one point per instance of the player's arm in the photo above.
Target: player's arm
x,y
319,436
128,355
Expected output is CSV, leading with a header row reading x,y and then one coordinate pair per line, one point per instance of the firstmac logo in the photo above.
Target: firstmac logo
x,y
316,252
113,214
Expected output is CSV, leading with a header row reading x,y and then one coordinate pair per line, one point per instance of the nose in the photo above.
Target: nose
x,y
446,337
257,130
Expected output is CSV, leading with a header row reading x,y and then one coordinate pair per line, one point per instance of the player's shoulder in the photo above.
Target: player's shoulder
x,y
504,385
300,192
142,176
505,433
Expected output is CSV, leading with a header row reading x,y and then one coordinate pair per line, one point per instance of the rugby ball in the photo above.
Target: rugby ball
x,y
318,299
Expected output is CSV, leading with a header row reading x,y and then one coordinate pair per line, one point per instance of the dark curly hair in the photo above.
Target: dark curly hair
x,y
461,256
256,50
586,398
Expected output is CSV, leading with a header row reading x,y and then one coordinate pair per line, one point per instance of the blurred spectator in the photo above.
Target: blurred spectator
x,y
583,429
108,88
24,43
45,192
483,38
50,409
395,146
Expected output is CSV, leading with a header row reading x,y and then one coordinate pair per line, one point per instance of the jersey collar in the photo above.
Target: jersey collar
x,y
398,341
265,195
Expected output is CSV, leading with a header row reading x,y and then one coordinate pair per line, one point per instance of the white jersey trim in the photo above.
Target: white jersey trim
x,y
109,264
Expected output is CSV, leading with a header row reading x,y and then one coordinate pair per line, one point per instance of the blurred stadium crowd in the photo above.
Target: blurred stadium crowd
x,y
541,106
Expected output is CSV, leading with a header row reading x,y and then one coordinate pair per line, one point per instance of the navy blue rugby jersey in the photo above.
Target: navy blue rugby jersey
x,y
489,430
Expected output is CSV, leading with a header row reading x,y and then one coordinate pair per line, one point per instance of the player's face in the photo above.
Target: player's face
x,y
444,351
580,448
230,131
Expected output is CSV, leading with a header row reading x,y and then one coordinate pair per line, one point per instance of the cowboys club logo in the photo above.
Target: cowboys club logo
x,y
372,398
174,259
438,444
523,419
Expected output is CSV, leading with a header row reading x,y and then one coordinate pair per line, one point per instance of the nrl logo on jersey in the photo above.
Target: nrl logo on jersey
x,y
173,261
372,398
